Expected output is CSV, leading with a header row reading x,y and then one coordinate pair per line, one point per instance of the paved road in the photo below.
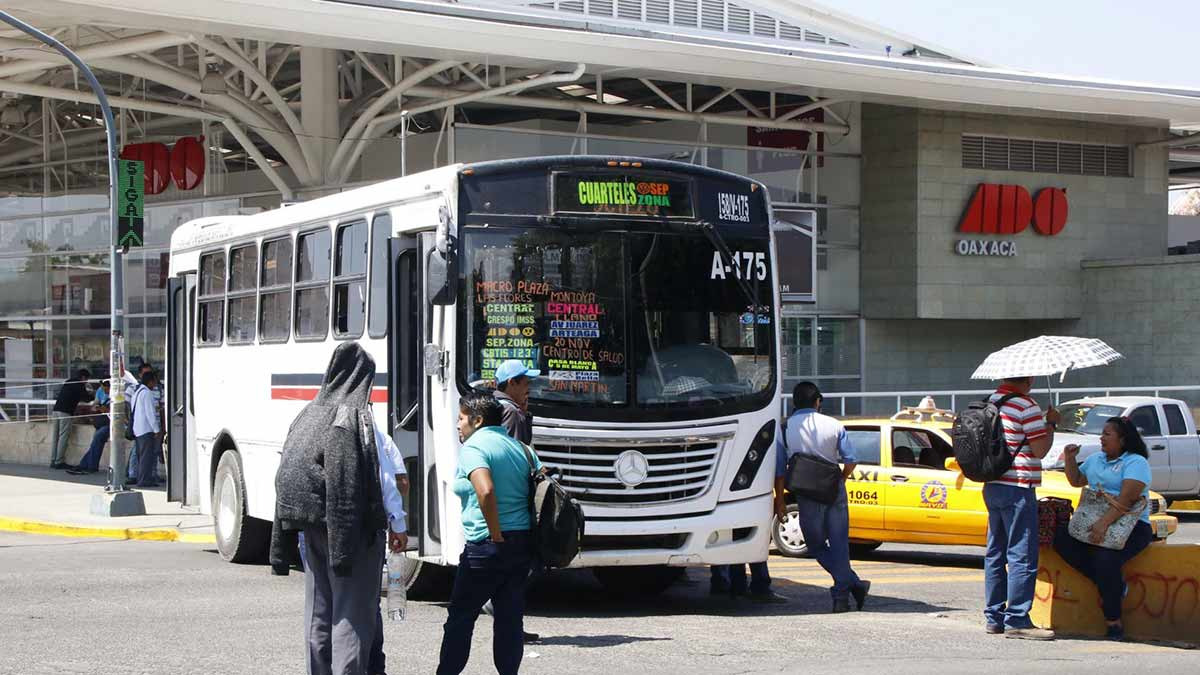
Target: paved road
x,y
89,606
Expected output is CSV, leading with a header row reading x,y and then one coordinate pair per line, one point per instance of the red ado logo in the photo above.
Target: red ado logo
x,y
1008,209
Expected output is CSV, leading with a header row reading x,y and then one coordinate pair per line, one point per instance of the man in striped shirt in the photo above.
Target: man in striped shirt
x,y
1011,562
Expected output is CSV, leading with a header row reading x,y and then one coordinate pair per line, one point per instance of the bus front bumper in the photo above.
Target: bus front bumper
x,y
734,532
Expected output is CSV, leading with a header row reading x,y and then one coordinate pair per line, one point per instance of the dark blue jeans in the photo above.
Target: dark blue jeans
x,y
91,460
826,529
733,577
147,447
1010,563
1103,565
496,572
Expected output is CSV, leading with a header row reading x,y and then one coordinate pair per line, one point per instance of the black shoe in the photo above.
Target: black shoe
x,y
131,481
994,629
530,638
718,589
76,471
768,598
61,465
1116,632
841,606
860,593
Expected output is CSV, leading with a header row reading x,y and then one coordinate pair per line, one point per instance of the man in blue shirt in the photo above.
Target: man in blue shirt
x,y
826,527
493,483
91,460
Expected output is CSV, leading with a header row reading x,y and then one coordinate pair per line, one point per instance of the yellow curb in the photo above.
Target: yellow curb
x,y
136,534
1190,505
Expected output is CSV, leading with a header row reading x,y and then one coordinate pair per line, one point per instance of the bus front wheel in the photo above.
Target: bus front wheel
x,y
638,580
240,538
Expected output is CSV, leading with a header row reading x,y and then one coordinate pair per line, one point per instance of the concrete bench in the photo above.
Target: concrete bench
x,y
1163,602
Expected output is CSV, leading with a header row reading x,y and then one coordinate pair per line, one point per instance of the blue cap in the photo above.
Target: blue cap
x,y
512,368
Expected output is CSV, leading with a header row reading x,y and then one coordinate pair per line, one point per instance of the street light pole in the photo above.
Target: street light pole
x,y
117,501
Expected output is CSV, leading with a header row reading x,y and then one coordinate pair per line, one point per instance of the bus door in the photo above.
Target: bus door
x,y
407,389
182,479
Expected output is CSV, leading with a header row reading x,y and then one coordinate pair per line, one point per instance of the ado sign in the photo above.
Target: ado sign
x,y
1008,209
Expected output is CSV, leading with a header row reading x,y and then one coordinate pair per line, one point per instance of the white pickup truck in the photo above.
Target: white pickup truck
x,y
1167,425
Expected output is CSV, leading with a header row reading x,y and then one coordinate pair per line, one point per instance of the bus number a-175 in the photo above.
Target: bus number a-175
x,y
754,263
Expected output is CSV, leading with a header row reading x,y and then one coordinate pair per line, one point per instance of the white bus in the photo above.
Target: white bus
x,y
643,290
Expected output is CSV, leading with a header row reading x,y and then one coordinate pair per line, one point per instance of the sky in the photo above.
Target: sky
x,y
1147,41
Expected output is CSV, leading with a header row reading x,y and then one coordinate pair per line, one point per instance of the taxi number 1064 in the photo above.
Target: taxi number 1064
x,y
863,495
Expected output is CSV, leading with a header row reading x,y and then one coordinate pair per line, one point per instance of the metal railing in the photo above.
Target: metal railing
x,y
1058,395
21,407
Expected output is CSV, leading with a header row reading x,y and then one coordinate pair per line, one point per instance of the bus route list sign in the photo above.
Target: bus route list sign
x,y
131,203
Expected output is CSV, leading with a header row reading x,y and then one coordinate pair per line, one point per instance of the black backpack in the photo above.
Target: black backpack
x,y
129,435
980,448
557,527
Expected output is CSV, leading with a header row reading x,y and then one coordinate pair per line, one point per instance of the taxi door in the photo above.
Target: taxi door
x,y
922,495
864,492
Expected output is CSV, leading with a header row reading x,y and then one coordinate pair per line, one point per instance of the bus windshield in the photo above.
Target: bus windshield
x,y
620,319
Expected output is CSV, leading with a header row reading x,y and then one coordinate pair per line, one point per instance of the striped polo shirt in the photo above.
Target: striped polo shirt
x,y
1023,423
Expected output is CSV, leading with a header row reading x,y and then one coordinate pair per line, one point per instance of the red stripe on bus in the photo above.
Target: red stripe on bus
x,y
378,394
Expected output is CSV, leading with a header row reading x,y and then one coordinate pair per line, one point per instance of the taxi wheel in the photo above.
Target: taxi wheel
x,y
788,537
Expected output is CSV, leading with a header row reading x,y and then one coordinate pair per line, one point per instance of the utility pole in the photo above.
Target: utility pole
x,y
116,500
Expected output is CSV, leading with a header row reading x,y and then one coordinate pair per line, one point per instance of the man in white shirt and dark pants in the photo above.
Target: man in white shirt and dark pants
x,y
826,527
147,431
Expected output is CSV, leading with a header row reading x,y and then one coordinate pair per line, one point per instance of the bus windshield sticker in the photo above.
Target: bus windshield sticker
x,y
623,194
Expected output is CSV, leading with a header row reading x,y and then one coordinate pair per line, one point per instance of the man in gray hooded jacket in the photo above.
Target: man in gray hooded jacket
x,y
328,486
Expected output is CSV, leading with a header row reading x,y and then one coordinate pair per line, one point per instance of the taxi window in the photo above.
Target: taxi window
x,y
919,448
866,444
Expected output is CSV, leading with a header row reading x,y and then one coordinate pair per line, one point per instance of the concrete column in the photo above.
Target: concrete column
x,y
319,104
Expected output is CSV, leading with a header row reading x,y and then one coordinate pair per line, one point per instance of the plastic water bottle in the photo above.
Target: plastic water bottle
x,y
397,587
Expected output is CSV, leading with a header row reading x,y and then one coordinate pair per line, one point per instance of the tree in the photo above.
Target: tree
x,y
1189,205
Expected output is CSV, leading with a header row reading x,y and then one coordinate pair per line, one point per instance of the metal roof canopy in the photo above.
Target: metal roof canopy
x,y
746,62
657,61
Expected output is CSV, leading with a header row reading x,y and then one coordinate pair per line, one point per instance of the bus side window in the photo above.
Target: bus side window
x,y
243,283
211,305
312,284
377,319
275,290
350,280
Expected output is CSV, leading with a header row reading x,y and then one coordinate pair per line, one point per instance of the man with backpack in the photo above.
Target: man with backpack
x,y
1011,562
513,379
147,431
493,482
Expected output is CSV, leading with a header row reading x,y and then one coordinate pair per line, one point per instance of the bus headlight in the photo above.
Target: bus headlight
x,y
754,457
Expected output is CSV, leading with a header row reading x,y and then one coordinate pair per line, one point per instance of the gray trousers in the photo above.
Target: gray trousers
x,y
60,435
340,613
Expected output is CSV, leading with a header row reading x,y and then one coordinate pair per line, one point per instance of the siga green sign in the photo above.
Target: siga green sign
x,y
131,202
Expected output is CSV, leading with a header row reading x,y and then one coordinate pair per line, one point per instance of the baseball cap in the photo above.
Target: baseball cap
x,y
512,368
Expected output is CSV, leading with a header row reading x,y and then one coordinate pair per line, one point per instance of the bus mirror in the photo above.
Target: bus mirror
x,y
441,277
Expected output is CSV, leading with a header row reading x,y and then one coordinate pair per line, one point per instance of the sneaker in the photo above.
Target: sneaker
x,y
1116,632
768,597
994,629
860,593
841,606
1029,633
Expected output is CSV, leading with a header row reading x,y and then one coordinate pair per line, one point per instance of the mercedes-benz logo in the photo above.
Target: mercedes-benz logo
x,y
631,468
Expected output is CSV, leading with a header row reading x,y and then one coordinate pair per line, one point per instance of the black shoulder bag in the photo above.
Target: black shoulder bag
x,y
812,477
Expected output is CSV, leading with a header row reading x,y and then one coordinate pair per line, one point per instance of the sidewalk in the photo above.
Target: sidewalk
x,y
39,500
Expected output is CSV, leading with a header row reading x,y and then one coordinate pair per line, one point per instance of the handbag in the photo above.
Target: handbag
x,y
1053,513
812,477
1093,504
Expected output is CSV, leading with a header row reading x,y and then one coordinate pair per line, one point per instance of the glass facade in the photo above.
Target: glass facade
x,y
55,294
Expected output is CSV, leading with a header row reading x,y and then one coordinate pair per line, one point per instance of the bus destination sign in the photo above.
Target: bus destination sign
x,y
623,194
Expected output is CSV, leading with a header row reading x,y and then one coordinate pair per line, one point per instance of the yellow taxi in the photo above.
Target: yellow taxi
x,y
906,488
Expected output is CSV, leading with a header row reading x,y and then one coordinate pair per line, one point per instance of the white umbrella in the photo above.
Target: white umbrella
x,y
1046,355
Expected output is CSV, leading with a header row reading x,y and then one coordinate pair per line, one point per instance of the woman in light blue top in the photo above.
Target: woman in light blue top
x,y
1123,471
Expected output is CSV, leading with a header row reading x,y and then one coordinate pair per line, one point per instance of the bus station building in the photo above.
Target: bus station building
x,y
932,208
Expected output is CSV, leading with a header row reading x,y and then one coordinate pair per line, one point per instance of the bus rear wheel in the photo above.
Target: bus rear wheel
x,y
637,581
240,538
